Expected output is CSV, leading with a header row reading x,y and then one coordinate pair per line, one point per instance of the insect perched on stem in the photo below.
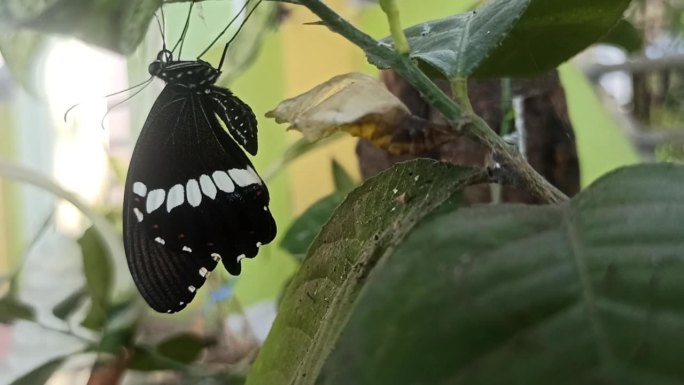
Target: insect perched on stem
x,y
192,197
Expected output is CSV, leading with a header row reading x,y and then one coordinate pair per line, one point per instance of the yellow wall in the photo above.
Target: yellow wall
x,y
313,54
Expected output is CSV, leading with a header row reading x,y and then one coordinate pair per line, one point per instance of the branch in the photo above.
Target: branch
x,y
466,124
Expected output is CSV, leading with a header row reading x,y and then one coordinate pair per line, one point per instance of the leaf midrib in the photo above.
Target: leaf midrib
x,y
608,361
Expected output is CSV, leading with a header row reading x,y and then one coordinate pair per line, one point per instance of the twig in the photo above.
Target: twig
x,y
390,8
476,129
636,65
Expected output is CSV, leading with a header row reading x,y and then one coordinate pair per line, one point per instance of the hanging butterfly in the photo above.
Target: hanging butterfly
x,y
192,197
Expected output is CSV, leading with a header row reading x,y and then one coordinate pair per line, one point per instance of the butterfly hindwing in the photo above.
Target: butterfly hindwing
x,y
237,116
192,198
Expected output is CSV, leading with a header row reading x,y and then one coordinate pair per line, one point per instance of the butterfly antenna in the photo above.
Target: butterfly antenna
x,y
181,40
226,29
225,48
161,23
124,101
144,83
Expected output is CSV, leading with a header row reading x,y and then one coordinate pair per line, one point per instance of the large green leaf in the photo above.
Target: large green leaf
x,y
589,292
511,37
115,24
368,224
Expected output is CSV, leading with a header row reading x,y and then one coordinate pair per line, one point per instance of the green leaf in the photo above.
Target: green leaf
x,y
624,35
184,348
113,340
145,359
304,229
122,321
95,319
41,374
98,273
12,309
371,221
343,181
20,50
118,25
295,150
172,353
70,304
588,292
511,37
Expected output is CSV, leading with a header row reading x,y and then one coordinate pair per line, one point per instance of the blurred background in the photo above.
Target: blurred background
x,y
624,100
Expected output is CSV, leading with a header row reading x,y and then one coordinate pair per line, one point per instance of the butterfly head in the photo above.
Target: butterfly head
x,y
163,58
190,75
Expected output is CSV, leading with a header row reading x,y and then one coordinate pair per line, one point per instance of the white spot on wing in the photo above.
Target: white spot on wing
x,y
258,244
216,257
203,272
254,174
241,257
159,240
138,214
208,187
154,200
191,289
193,192
175,198
185,248
223,182
242,178
139,188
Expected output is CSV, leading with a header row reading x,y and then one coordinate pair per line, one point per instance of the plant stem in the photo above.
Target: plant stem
x,y
459,92
470,125
67,332
390,8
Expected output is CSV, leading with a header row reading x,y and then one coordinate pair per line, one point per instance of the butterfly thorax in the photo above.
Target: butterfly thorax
x,y
190,75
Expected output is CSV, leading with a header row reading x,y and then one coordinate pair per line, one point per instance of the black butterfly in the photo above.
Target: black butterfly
x,y
192,197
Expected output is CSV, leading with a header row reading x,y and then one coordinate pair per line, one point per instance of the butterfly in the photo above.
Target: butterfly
x,y
192,198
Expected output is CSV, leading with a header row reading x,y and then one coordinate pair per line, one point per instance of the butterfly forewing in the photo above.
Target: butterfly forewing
x,y
192,198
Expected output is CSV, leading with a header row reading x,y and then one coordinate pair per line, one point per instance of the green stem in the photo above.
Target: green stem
x,y
390,8
472,126
67,332
459,92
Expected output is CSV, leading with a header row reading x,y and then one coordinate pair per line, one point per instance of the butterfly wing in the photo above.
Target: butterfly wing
x,y
192,198
237,116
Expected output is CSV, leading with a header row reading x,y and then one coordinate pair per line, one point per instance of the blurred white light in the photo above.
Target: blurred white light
x,y
616,84
76,73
